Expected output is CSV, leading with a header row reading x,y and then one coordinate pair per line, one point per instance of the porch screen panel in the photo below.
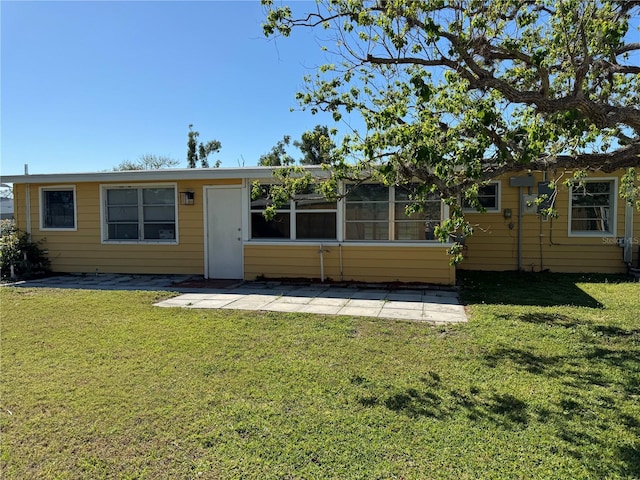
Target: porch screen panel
x,y
367,213
315,217
418,225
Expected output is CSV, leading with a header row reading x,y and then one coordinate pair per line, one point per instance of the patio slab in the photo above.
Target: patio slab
x,y
435,306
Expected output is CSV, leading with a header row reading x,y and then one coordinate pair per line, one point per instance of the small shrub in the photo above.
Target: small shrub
x,y
18,250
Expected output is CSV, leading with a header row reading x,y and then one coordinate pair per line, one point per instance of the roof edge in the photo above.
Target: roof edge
x,y
151,175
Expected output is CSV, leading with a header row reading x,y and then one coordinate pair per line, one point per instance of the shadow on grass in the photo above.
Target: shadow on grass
x,y
596,380
433,400
593,385
539,289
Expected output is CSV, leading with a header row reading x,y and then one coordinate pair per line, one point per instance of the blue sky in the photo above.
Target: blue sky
x,y
87,85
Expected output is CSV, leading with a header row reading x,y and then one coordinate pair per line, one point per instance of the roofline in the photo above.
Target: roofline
x,y
153,175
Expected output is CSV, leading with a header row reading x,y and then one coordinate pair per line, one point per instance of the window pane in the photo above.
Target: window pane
x,y
413,231
488,190
316,225
158,196
262,202
431,212
487,196
159,231
122,196
159,214
404,192
123,231
594,219
367,231
314,202
596,187
367,211
591,200
122,214
488,202
367,192
58,209
279,227
591,207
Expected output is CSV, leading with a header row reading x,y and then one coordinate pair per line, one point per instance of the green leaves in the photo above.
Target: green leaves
x,y
199,152
452,93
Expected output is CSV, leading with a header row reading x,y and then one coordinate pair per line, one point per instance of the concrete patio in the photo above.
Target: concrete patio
x,y
415,303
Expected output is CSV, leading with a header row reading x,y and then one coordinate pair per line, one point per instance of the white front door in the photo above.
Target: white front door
x,y
224,232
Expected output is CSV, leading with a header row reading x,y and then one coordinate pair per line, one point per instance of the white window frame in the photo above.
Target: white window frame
x,y
293,211
614,210
104,229
58,188
391,222
497,208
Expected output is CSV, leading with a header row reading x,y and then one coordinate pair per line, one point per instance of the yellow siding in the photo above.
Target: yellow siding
x,y
81,251
546,245
385,263
494,245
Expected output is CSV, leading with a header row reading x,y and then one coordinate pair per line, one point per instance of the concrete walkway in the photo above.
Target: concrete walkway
x,y
418,303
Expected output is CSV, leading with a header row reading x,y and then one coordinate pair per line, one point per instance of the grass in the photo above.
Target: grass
x,y
543,382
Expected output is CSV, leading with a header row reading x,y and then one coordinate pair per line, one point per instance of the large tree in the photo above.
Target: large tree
x,y
199,152
455,93
277,156
317,146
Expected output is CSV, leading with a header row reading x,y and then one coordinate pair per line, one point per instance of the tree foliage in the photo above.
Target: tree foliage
x,y
147,161
317,146
199,152
277,156
455,93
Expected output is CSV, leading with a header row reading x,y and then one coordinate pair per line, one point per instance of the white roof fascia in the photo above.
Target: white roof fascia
x,y
155,175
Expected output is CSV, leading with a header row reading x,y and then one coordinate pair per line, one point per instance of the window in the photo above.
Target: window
x,y
592,207
134,214
57,208
307,217
367,212
315,217
419,225
488,196
377,212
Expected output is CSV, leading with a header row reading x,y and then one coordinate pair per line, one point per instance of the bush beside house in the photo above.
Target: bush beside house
x,y
17,250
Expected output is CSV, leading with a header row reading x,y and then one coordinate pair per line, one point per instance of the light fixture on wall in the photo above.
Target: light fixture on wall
x,y
187,198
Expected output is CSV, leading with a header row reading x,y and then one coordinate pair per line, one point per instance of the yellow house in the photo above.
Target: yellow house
x,y
204,222
595,230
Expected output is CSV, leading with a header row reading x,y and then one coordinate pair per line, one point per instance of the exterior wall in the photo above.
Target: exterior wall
x,y
546,244
383,263
82,251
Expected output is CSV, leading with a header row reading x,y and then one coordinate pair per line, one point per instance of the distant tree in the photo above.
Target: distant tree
x,y
278,156
317,146
198,152
147,161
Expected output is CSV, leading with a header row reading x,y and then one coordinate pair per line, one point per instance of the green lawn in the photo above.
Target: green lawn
x,y
543,382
